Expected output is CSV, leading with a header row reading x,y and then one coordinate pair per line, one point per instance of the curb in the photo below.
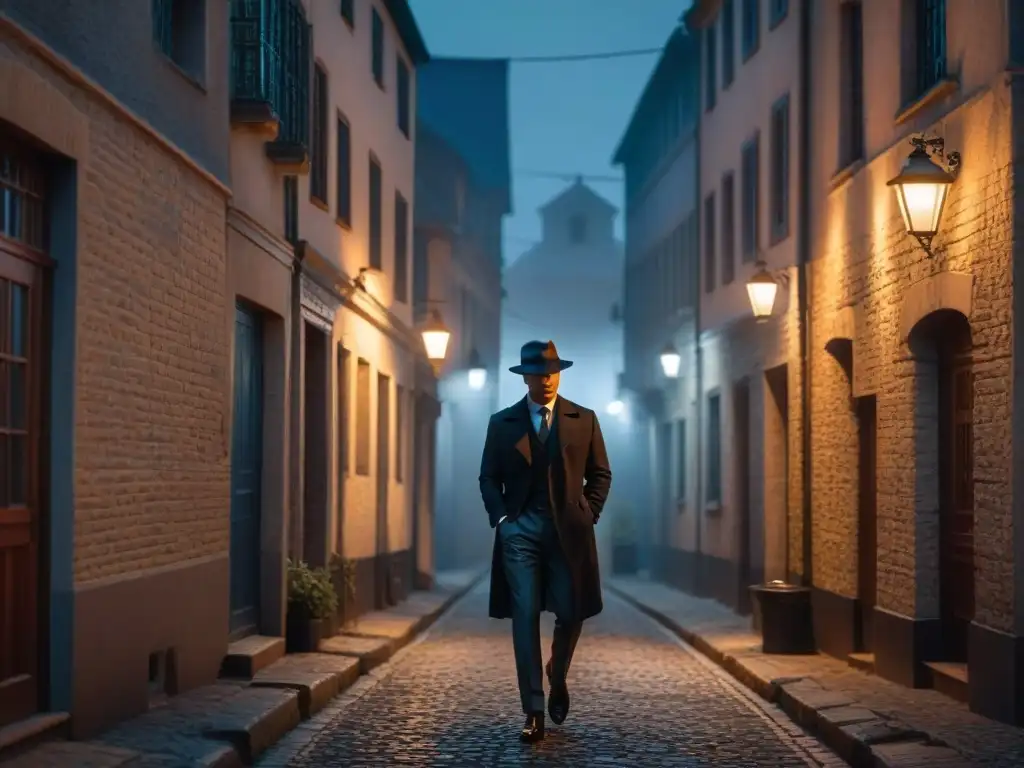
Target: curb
x,y
861,737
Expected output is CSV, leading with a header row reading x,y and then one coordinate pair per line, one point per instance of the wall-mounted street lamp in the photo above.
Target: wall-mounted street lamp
x,y
435,339
477,374
616,407
922,185
762,289
670,361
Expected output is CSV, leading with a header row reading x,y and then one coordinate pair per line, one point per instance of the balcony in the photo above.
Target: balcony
x,y
271,59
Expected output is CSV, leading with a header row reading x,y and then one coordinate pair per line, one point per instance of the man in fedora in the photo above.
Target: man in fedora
x,y
544,478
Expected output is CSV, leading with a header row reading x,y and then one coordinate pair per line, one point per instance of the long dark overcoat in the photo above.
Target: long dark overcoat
x,y
579,480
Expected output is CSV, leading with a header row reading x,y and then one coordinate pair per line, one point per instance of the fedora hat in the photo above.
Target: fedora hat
x,y
539,358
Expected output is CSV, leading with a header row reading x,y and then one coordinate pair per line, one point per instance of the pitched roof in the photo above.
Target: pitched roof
x,y
578,193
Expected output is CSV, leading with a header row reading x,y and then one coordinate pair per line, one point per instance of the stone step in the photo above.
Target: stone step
x,y
949,678
316,677
370,651
246,657
865,662
32,731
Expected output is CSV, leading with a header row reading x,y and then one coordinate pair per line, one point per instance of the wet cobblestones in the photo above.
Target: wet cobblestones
x,y
639,699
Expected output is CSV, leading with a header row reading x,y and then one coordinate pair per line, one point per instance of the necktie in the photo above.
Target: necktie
x,y
545,428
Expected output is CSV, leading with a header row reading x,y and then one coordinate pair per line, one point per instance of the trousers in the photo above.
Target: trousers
x,y
534,563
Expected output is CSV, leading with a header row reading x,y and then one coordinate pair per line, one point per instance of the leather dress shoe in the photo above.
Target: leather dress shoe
x,y
533,729
558,699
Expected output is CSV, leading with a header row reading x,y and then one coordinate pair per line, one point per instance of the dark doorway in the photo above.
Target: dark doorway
x,y
246,472
341,406
383,592
776,460
956,463
666,502
741,437
867,533
24,348
315,455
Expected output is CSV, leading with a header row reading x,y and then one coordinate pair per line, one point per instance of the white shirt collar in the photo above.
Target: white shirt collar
x,y
535,407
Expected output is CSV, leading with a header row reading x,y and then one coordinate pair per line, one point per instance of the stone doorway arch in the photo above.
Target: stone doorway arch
x,y
939,337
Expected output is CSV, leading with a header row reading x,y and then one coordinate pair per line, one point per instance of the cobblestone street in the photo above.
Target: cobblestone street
x,y
639,698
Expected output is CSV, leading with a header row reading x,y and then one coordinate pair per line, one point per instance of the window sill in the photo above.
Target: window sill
x,y
712,507
748,55
344,223
933,95
318,203
350,23
773,23
379,84
844,174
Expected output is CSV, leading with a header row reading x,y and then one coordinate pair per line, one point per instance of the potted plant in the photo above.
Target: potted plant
x,y
343,577
624,548
311,600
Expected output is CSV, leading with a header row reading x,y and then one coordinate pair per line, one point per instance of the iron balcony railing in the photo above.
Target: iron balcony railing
x,y
271,62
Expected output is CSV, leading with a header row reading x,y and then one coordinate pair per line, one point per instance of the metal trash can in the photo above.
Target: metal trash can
x,y
786,625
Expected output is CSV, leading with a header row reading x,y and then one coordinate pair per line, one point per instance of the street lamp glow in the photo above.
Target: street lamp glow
x,y
435,338
477,378
921,189
762,289
670,362
615,407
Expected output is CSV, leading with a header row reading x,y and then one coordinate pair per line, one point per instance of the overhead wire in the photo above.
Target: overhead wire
x,y
571,57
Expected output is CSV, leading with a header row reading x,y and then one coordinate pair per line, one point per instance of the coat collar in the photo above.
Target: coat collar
x,y
567,414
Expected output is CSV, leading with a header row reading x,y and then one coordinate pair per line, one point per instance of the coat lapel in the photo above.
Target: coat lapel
x,y
521,423
568,417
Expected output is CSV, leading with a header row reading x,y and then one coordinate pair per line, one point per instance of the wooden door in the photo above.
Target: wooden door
x,y
23,350
957,507
867,533
741,435
384,598
246,473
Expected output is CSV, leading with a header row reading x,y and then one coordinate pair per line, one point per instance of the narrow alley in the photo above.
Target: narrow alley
x,y
639,697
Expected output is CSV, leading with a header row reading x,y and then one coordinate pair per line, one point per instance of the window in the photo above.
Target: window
x,y
851,83
318,159
710,71
728,228
179,29
780,169
751,195
344,172
577,229
709,243
348,12
401,248
375,215
377,49
362,417
681,459
399,433
291,209
929,41
271,65
404,95
750,27
714,489
728,42
778,10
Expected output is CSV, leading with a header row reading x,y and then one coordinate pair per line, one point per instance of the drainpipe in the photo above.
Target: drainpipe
x,y
803,259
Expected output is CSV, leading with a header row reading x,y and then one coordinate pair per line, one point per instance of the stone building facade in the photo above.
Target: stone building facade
x,y
915,404
463,182
749,521
112,275
659,155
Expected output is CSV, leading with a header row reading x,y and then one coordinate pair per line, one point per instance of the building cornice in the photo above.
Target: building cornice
x,y
261,237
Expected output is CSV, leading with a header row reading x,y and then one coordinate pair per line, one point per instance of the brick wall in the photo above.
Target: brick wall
x,y
151,475
867,261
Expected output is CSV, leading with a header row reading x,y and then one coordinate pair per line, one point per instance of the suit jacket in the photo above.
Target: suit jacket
x,y
580,475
